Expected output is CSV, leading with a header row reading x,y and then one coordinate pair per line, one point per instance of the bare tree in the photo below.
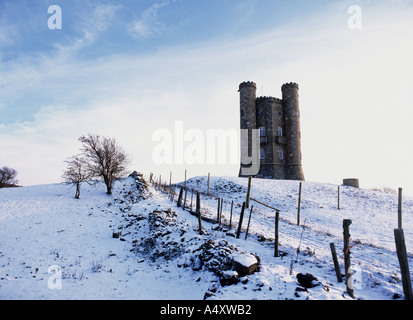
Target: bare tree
x,y
76,172
105,159
8,177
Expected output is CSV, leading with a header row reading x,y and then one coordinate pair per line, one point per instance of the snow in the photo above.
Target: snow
x,y
230,273
44,226
245,259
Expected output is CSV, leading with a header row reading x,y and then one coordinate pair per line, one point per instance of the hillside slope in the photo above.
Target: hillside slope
x,y
136,244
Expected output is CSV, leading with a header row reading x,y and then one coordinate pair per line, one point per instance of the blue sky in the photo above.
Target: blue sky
x,y
96,30
128,68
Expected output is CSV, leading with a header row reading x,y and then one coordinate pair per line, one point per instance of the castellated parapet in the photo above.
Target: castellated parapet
x,y
278,122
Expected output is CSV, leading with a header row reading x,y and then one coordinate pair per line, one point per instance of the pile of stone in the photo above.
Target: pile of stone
x,y
159,220
161,242
142,186
224,260
170,239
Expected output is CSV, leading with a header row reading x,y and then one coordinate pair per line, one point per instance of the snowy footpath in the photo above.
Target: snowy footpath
x,y
134,246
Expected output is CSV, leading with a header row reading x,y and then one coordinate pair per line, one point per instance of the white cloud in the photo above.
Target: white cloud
x,y
354,90
148,24
8,34
97,20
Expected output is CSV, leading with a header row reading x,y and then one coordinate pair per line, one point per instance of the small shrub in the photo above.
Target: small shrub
x,y
387,190
97,266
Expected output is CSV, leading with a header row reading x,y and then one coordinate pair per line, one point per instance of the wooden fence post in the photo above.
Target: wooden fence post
x,y
218,208
338,197
230,217
335,260
171,194
185,197
247,203
209,176
347,262
198,211
399,210
404,263
240,220
249,221
277,216
299,205
185,178
180,197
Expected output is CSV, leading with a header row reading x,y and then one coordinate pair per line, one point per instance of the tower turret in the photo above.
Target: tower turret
x,y
291,109
248,114
247,91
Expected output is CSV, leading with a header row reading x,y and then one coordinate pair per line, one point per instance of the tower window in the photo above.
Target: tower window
x,y
281,154
262,154
262,132
279,131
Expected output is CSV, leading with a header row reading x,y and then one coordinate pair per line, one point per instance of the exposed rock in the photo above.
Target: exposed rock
x,y
245,264
197,265
228,277
244,280
307,280
215,255
231,233
159,243
160,219
135,174
224,260
141,184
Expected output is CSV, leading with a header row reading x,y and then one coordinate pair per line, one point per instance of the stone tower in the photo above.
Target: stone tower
x,y
248,113
278,122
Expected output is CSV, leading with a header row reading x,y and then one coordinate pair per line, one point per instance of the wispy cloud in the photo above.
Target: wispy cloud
x,y
93,21
349,82
148,24
98,20
8,34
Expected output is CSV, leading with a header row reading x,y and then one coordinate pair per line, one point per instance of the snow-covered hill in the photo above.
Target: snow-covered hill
x,y
134,245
